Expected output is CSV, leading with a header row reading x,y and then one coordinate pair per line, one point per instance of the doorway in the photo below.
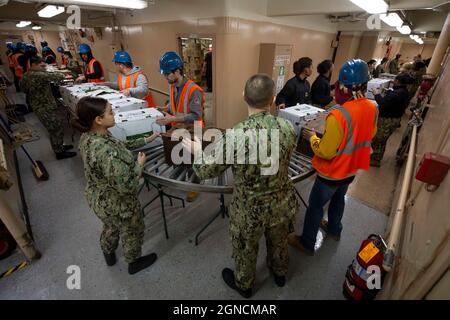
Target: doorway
x,y
197,54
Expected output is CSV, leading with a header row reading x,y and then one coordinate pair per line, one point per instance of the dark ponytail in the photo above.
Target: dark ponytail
x,y
88,108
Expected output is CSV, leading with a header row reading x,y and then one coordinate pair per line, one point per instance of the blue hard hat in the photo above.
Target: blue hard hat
x,y
122,57
169,62
30,48
46,49
60,49
20,46
354,72
44,44
10,45
84,48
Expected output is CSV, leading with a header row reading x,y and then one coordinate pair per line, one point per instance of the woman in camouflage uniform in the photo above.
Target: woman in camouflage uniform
x,y
112,176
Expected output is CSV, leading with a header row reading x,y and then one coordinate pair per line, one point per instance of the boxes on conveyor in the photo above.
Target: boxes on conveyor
x,y
136,123
387,76
316,123
169,144
299,114
127,104
377,83
72,94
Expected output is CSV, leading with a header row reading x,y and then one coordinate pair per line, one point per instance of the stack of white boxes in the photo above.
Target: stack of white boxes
x,y
127,104
72,94
298,115
136,122
377,84
132,116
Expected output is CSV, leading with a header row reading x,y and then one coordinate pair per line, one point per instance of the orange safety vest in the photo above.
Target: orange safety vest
x,y
130,82
185,97
18,69
90,70
65,61
357,119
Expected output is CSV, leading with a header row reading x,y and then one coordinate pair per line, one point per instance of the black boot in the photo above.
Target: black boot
x,y
67,147
228,277
110,258
279,280
142,263
65,155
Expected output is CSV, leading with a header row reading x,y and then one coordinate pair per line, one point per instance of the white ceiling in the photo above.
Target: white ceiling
x,y
306,7
310,14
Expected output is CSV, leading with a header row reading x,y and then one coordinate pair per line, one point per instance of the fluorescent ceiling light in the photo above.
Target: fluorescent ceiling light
x,y
129,4
50,11
372,6
419,41
22,24
36,27
414,36
392,19
404,29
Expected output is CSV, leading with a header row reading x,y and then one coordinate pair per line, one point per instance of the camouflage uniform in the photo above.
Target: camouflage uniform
x,y
261,204
74,67
386,126
36,85
112,175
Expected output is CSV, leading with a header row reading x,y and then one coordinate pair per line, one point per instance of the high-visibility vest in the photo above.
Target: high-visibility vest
x,y
183,103
18,69
90,70
357,119
65,61
130,82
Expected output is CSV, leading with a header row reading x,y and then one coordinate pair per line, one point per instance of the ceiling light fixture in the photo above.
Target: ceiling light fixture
x,y
404,29
372,6
129,4
23,24
50,11
392,19
36,27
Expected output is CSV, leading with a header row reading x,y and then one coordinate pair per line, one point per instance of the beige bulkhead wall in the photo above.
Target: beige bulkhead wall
x,y
424,254
236,53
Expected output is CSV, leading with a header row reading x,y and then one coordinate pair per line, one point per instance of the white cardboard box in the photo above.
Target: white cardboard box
x,y
135,122
299,114
127,104
377,84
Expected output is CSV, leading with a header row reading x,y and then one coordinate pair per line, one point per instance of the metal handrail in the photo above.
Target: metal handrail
x,y
394,236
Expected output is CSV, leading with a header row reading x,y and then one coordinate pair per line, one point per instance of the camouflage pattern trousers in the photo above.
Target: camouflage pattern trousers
x,y
53,122
385,128
245,242
130,230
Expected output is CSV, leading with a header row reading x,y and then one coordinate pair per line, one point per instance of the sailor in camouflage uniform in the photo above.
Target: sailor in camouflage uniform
x,y
112,176
261,204
36,84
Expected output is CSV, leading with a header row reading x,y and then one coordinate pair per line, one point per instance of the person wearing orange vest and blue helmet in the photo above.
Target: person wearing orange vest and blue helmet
x,y
186,98
338,155
19,61
131,81
64,60
93,70
30,51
